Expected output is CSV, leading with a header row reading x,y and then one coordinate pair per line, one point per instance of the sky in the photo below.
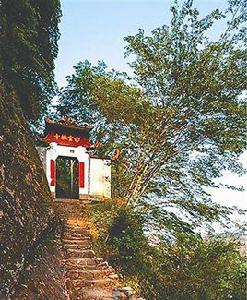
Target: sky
x,y
95,30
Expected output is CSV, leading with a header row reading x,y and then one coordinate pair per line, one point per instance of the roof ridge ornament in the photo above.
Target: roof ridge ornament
x,y
67,121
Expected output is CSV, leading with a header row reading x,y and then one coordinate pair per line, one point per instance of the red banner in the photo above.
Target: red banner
x,y
67,140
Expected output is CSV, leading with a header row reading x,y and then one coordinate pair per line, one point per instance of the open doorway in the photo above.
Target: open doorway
x,y
67,177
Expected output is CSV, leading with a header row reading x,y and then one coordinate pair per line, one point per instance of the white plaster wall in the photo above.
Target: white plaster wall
x,y
107,178
96,177
100,178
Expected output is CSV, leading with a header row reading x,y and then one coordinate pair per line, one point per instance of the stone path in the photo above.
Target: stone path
x,y
87,277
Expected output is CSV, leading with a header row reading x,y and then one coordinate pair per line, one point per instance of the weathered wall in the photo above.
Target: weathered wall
x,y
100,178
25,200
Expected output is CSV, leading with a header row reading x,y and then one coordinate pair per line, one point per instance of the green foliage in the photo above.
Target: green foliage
x,y
101,216
194,268
128,241
179,123
186,267
116,109
197,85
183,121
178,128
29,35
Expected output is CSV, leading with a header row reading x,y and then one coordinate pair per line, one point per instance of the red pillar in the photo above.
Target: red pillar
x,y
53,173
81,174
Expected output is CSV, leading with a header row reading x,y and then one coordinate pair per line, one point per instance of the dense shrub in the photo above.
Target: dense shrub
x,y
186,268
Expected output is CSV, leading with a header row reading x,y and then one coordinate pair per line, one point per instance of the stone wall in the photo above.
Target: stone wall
x,y
25,200
42,156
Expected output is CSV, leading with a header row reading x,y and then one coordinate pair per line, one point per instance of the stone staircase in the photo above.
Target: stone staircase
x,y
87,277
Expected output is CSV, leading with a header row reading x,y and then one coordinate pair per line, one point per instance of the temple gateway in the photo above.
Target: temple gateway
x,y
70,162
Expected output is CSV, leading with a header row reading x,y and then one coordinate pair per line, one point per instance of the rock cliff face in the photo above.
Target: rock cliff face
x,y
25,200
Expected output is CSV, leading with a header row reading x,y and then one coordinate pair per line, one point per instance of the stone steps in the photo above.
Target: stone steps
x,y
77,247
76,233
96,294
73,233
87,276
94,283
88,268
77,230
81,262
84,241
81,253
77,237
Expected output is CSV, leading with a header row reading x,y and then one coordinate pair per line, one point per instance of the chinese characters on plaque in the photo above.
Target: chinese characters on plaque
x,y
65,137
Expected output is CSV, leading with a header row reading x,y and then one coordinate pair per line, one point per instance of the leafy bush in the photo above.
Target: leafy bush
x,y
188,267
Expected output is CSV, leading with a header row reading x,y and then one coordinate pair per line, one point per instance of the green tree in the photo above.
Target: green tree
x,y
182,123
197,86
116,110
28,40
179,123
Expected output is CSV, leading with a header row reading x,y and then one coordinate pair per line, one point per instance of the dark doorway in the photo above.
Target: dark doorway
x,y
67,177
